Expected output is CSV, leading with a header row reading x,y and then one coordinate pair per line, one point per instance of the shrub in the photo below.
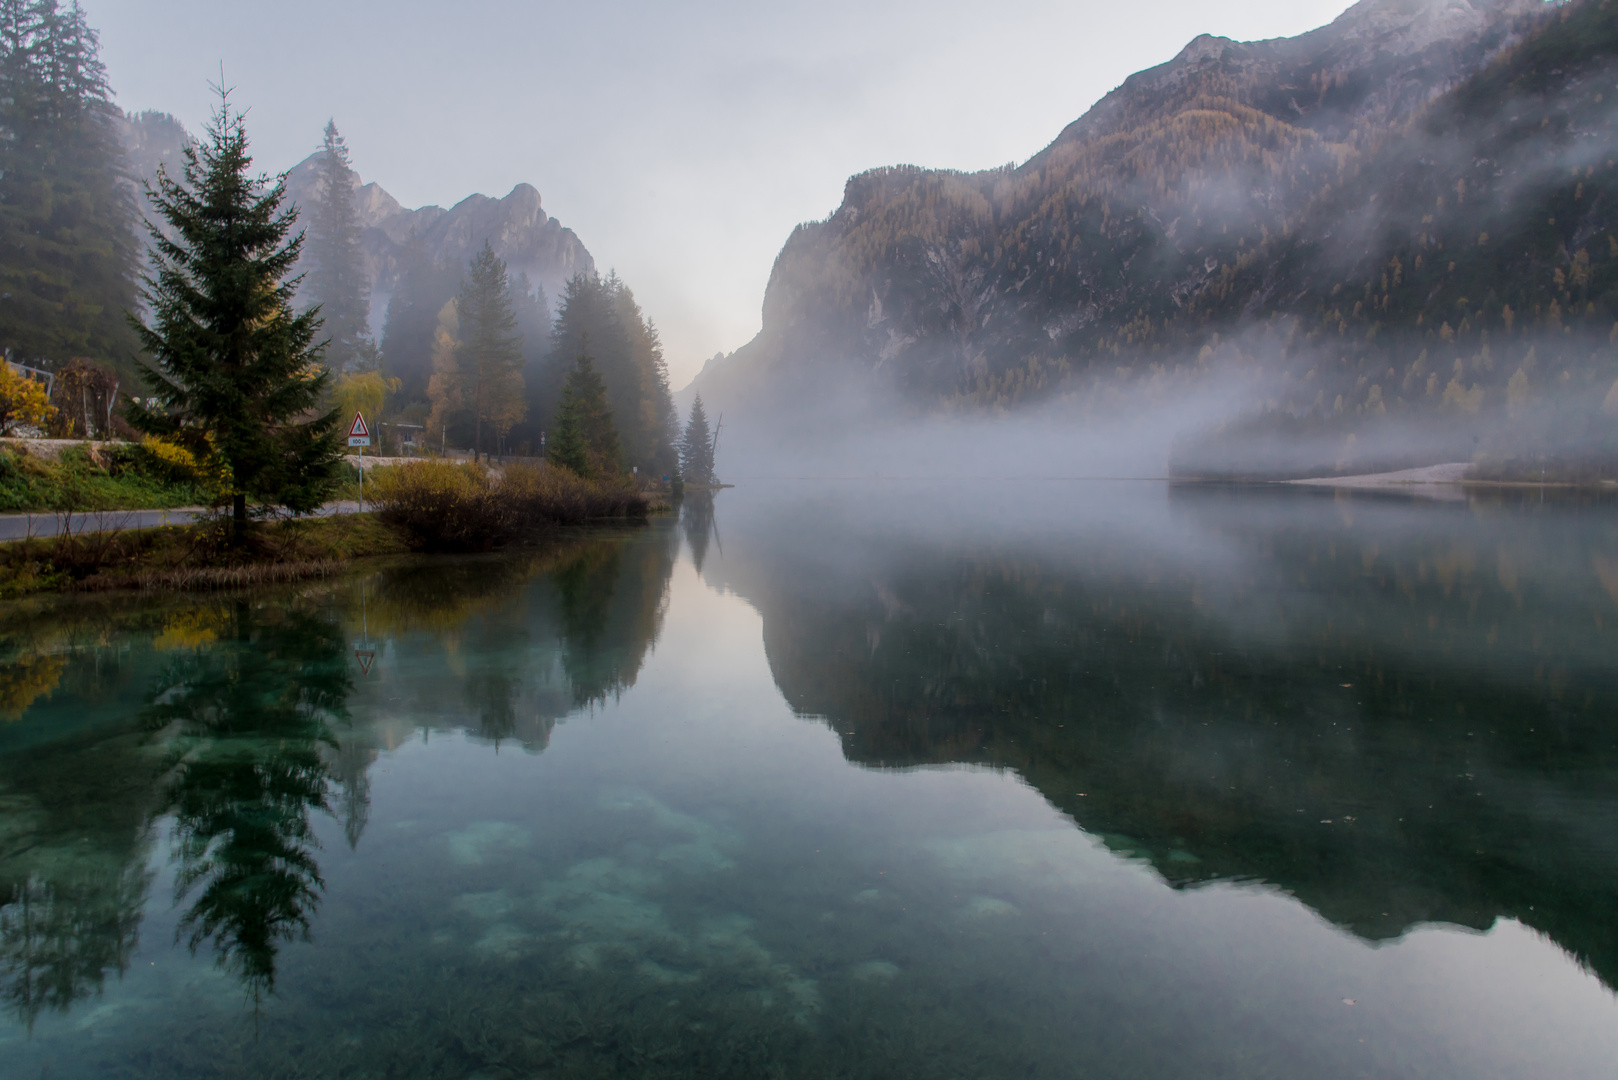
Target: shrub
x,y
165,462
554,496
448,507
117,477
23,402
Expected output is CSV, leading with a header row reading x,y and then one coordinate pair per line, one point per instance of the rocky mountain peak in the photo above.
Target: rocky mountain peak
x,y
517,226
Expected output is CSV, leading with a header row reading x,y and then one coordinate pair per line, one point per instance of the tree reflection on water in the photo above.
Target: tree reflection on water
x,y
247,721
250,726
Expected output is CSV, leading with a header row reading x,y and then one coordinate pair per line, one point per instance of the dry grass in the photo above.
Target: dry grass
x,y
206,578
442,506
191,557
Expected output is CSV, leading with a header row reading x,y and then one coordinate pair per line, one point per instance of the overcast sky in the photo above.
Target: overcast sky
x,y
682,141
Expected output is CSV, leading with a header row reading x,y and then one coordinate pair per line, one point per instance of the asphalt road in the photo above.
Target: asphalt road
x,y
21,526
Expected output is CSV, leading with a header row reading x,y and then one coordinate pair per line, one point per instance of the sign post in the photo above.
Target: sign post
x,y
359,435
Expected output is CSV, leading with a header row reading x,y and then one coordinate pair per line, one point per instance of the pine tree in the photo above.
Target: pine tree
x,y
425,285
67,250
567,447
655,421
584,408
337,280
629,359
532,309
697,448
489,352
236,372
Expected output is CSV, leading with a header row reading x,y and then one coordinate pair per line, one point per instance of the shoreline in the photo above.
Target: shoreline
x,y
1449,476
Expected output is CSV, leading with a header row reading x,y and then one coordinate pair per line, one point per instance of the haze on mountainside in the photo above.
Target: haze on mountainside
x,y
461,324
1387,242
1382,243
389,280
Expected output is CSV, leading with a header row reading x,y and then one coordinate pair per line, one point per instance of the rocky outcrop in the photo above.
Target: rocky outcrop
x,y
521,232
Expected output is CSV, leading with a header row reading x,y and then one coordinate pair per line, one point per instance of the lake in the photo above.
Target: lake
x,y
867,778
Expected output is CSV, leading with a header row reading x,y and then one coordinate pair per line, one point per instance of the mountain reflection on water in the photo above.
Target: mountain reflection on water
x,y
1399,712
342,804
245,735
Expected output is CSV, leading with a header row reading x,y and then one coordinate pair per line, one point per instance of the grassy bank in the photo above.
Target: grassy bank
x,y
116,476
427,507
191,556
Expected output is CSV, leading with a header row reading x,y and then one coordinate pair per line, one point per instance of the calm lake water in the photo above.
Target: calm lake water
x,y
855,779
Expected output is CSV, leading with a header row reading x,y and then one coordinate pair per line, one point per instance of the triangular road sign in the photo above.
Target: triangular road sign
x,y
365,657
358,428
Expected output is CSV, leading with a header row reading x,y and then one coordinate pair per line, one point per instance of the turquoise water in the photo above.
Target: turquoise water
x,y
840,780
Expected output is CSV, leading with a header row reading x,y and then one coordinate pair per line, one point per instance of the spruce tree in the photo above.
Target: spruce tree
x,y
656,422
489,352
68,257
236,371
628,358
567,447
584,406
425,285
697,447
532,309
337,280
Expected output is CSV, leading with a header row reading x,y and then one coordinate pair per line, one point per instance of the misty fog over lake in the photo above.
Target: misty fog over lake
x,y
864,541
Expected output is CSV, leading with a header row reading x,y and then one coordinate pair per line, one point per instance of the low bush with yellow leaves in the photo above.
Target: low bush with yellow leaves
x,y
23,402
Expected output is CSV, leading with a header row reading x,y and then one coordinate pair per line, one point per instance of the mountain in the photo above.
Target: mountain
x,y
523,234
1392,215
529,239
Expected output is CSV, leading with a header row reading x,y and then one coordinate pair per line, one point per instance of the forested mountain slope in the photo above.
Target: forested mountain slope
x,y
1341,216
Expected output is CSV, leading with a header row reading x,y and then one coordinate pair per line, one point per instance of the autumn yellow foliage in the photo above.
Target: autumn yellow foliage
x,y
23,401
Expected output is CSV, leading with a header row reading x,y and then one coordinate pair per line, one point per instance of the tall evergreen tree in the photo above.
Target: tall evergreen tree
x,y
489,352
629,359
236,371
425,286
533,311
697,447
584,416
655,420
532,308
337,280
567,446
68,257
481,381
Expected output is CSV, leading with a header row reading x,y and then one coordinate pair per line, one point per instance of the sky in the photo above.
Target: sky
x,y
680,141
